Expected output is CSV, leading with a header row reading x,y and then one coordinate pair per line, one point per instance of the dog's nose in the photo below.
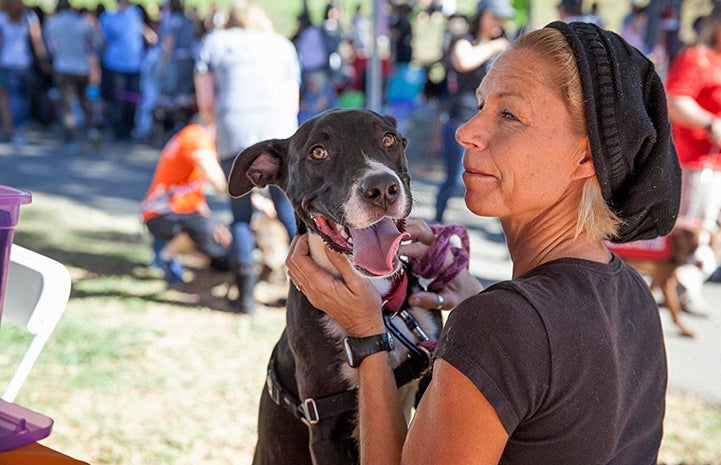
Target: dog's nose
x,y
381,189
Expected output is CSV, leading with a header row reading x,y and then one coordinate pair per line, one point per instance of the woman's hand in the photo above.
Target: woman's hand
x,y
350,299
460,288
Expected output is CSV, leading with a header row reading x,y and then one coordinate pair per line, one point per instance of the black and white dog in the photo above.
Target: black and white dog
x,y
346,174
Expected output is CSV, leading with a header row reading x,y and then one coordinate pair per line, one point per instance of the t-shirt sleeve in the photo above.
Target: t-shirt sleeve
x,y
498,341
202,62
293,66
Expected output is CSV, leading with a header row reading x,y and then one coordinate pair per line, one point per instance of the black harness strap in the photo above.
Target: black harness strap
x,y
419,360
311,410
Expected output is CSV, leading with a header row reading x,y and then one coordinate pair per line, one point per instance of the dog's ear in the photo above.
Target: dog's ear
x,y
391,119
259,165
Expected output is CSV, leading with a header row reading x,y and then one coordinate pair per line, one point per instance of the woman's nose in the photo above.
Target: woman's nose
x,y
470,133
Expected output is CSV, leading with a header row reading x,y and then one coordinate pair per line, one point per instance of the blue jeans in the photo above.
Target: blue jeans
x,y
453,161
242,211
17,82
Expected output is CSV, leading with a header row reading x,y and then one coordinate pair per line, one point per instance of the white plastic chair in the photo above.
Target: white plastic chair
x,y
37,290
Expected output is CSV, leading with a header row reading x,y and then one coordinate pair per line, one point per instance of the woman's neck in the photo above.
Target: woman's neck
x,y
547,238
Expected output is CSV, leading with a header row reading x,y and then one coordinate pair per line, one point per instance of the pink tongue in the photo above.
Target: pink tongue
x,y
375,248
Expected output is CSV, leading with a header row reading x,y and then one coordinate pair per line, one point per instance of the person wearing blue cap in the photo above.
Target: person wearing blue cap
x,y
564,363
469,58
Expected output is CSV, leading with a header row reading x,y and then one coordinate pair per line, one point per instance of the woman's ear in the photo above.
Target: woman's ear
x,y
584,167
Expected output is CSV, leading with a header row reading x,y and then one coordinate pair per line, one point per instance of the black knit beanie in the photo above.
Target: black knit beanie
x,y
627,121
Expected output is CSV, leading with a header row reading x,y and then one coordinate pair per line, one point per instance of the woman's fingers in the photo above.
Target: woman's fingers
x,y
420,231
414,250
299,260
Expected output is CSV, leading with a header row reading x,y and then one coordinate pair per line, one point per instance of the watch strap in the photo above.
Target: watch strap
x,y
358,348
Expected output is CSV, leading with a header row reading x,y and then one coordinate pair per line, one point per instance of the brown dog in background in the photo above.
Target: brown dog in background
x,y
683,242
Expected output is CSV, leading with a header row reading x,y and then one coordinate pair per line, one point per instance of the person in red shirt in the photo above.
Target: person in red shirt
x,y
175,202
693,86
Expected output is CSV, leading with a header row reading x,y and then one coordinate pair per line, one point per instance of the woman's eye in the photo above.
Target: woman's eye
x,y
509,116
389,140
318,153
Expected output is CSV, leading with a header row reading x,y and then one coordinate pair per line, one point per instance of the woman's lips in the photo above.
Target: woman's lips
x,y
474,172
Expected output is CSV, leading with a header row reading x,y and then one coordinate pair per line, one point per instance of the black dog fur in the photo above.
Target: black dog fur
x,y
343,167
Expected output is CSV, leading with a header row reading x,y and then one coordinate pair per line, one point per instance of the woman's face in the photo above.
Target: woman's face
x,y
491,26
521,156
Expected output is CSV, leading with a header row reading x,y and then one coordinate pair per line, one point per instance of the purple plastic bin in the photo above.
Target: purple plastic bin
x,y
20,426
10,201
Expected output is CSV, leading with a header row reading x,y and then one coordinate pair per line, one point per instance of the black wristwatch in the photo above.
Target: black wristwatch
x,y
358,348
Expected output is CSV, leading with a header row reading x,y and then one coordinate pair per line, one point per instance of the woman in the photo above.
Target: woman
x,y
178,40
247,81
694,106
126,33
469,57
20,41
565,362
70,40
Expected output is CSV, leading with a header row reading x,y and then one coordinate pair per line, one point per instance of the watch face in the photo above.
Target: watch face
x,y
349,353
356,349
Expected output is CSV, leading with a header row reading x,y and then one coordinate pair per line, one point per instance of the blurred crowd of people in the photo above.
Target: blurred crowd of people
x,y
126,73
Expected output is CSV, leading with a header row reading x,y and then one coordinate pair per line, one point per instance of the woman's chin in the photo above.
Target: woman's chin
x,y
479,205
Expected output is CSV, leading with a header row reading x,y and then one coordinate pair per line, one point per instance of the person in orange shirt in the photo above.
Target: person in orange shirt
x,y
175,202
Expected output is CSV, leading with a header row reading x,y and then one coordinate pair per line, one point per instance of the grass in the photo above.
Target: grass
x,y
137,373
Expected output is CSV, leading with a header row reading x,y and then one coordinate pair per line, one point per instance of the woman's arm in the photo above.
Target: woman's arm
x,y
353,301
685,111
208,163
205,99
465,56
381,422
36,39
454,424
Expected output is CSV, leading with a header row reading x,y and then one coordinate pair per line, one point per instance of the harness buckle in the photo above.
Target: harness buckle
x,y
310,412
428,360
413,325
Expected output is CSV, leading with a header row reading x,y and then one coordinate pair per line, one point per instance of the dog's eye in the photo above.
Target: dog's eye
x,y
389,140
318,153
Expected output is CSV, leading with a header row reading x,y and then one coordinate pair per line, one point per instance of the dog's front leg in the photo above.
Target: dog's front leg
x,y
318,368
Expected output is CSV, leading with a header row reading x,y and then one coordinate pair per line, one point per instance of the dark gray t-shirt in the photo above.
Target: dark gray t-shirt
x,y
572,358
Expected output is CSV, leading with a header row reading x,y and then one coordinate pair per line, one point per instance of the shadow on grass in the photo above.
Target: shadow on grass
x,y
114,265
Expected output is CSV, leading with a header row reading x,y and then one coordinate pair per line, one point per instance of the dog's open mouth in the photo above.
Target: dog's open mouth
x,y
374,249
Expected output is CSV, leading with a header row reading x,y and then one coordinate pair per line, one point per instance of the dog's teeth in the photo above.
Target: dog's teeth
x,y
350,240
344,233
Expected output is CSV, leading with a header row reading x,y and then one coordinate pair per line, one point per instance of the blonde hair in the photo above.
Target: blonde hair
x,y
248,15
595,217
